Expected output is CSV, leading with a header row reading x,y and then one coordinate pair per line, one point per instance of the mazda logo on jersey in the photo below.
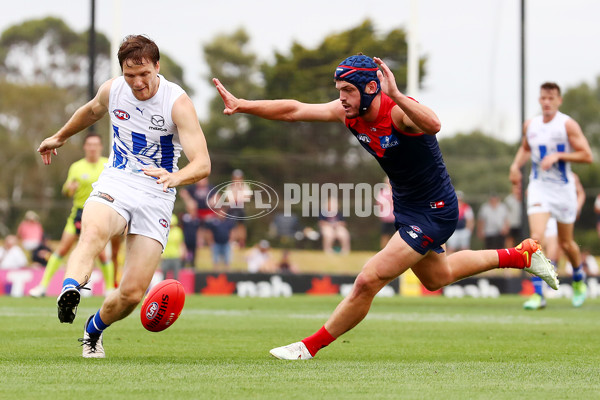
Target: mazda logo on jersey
x,y
157,120
121,114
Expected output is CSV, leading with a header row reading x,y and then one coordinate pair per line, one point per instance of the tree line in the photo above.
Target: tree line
x,y
43,72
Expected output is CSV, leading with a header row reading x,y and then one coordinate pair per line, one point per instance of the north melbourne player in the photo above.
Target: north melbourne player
x,y
152,120
553,141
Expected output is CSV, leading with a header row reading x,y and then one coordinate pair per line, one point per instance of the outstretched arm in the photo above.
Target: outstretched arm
x,y
83,118
410,116
281,110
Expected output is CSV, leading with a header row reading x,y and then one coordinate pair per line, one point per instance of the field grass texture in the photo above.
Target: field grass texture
x,y
407,348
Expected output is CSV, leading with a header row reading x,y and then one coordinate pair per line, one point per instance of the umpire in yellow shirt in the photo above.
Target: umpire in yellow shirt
x,y
82,174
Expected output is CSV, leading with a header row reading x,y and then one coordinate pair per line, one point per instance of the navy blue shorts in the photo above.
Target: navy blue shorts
x,y
425,229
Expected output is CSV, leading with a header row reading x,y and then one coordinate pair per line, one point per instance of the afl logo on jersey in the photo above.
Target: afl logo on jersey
x,y
122,115
164,223
363,138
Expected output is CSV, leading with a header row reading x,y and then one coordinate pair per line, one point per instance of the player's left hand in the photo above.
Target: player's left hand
x,y
548,161
48,148
163,176
386,78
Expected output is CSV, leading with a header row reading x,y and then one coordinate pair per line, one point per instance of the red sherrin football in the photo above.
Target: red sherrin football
x,y
162,305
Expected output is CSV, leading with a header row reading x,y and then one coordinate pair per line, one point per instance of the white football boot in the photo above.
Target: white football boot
x,y
537,263
91,344
294,351
38,291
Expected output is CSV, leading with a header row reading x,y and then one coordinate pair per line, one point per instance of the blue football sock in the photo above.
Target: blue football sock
x,y
538,285
96,325
578,273
70,283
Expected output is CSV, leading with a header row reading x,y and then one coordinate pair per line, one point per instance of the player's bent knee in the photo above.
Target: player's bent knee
x,y
131,297
436,283
367,284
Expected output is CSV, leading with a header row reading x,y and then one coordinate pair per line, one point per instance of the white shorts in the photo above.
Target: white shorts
x,y
560,200
146,214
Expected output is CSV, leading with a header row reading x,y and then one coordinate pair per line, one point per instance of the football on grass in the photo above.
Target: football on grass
x,y
162,305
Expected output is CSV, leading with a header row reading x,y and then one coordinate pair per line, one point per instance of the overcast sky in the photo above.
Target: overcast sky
x,y
472,77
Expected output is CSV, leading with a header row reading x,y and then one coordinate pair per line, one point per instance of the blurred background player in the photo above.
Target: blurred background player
x,y
400,133
153,120
553,141
82,174
553,252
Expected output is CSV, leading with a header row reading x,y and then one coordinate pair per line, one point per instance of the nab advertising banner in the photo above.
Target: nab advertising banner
x,y
267,285
18,282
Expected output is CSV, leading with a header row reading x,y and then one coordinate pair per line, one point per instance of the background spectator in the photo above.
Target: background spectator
x,y
386,215
195,198
493,223
30,231
238,193
259,258
461,238
41,254
12,255
285,264
515,220
286,229
221,229
333,227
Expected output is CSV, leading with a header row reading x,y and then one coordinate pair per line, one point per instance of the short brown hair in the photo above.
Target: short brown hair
x,y
138,48
92,135
550,86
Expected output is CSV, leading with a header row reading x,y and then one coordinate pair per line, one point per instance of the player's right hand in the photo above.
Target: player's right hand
x,y
48,148
230,101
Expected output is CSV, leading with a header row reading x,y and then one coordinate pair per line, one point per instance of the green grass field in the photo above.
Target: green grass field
x,y
408,348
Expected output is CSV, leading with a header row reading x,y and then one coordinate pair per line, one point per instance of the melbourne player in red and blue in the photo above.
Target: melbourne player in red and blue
x,y
400,133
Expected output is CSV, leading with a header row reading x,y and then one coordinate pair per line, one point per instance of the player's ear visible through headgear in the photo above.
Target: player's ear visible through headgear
x,y
359,70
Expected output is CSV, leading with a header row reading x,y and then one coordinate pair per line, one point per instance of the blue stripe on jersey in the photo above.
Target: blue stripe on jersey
x,y
119,161
138,141
562,166
535,166
168,152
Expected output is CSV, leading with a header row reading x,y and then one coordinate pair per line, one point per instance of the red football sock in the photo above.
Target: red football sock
x,y
510,258
318,340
